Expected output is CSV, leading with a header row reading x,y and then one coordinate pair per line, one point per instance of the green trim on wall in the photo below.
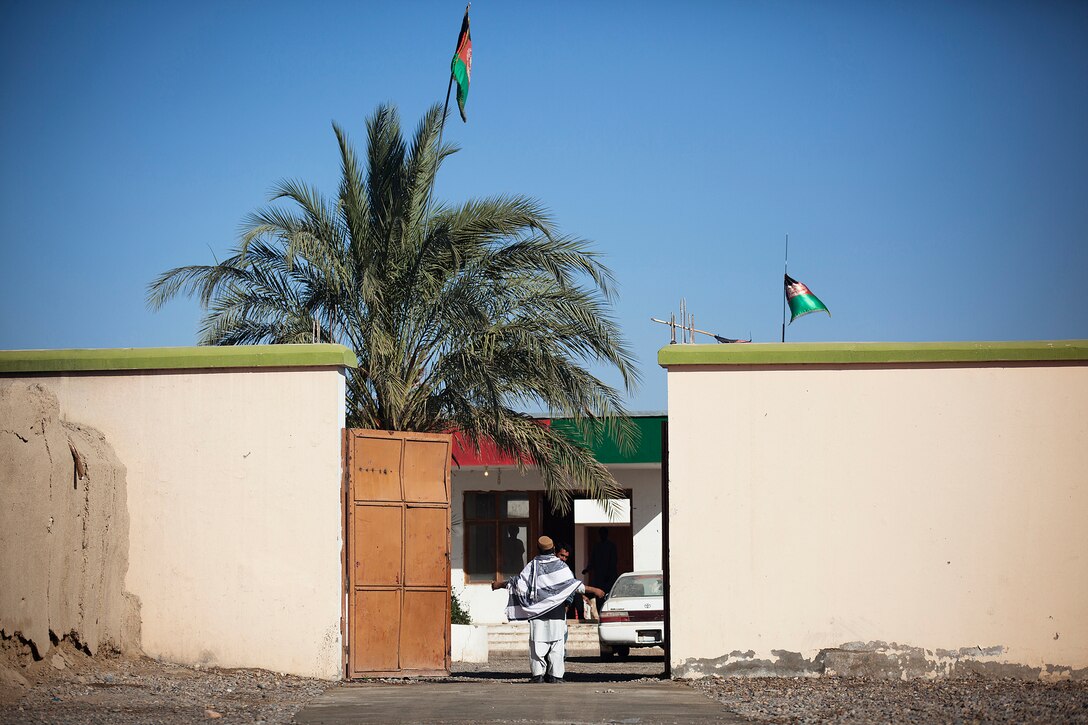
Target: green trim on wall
x,y
607,450
862,353
175,358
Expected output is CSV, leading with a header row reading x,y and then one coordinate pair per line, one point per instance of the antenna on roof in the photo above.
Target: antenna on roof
x,y
688,330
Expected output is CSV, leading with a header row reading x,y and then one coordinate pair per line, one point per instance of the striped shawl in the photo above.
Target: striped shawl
x,y
543,584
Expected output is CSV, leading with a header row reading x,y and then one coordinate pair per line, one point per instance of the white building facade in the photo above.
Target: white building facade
x,y
498,512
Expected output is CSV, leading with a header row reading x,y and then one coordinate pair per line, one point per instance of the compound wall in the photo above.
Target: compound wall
x,y
896,510
233,466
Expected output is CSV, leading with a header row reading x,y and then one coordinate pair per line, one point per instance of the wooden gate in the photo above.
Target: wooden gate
x,y
398,553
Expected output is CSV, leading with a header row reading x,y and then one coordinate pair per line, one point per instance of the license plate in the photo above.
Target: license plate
x,y
650,637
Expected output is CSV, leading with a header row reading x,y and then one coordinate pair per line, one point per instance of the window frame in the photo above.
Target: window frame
x,y
531,526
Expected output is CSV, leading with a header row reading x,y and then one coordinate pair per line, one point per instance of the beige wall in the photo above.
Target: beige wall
x,y
899,520
234,499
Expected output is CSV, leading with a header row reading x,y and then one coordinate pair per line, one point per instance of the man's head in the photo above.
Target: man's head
x,y
562,552
545,544
602,533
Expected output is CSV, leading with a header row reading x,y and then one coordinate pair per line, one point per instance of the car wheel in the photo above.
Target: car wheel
x,y
622,651
607,652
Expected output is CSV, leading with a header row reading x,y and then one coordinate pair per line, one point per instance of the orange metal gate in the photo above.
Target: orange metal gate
x,y
398,553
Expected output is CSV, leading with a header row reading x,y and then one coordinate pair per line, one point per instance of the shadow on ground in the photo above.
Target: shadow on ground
x,y
511,667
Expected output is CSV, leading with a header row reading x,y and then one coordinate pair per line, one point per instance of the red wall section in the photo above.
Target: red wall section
x,y
463,453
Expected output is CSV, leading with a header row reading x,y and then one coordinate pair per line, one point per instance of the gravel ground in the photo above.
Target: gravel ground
x,y
83,690
75,688
860,700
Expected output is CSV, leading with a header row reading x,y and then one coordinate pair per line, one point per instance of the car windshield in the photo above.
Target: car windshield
x,y
642,585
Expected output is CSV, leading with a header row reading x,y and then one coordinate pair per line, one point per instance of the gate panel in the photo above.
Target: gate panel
x,y
398,544
424,562
421,459
377,541
376,630
377,470
422,634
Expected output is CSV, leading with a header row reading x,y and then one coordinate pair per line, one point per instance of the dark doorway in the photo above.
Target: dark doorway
x,y
558,526
580,539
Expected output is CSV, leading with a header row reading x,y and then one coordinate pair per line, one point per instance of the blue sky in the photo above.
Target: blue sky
x,y
929,160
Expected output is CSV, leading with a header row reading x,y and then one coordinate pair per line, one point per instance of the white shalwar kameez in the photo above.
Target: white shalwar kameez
x,y
539,594
548,646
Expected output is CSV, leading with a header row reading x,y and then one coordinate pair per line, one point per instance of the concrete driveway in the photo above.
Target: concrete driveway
x,y
641,702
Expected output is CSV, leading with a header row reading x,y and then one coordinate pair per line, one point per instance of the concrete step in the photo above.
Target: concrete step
x,y
514,637
520,630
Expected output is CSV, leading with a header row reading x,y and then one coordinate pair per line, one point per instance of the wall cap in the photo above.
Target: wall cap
x,y
866,353
175,358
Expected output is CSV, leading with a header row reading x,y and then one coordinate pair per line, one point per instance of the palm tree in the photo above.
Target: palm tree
x,y
460,315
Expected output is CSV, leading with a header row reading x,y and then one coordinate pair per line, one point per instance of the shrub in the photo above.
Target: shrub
x,y
458,613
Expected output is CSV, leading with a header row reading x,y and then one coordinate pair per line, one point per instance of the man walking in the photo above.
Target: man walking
x,y
539,594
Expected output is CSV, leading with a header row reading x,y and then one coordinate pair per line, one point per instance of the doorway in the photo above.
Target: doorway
x,y
578,530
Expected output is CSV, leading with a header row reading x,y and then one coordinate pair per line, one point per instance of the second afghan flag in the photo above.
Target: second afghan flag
x,y
801,299
461,66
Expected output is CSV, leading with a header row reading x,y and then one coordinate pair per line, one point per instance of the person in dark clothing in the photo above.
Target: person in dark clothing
x,y
576,601
603,562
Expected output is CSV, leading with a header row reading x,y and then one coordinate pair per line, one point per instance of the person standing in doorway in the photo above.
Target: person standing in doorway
x,y
539,594
576,601
513,551
603,563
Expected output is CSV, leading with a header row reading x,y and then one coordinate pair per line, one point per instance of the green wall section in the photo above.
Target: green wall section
x,y
874,353
647,449
175,358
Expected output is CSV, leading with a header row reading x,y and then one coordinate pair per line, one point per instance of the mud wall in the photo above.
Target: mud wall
x,y
887,511
63,529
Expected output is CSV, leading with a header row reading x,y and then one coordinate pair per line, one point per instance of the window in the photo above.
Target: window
x,y
642,585
497,534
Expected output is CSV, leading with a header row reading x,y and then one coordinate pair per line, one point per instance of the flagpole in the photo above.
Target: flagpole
x,y
445,110
449,87
785,272
442,130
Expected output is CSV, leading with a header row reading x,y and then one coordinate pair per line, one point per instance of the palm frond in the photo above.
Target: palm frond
x,y
461,316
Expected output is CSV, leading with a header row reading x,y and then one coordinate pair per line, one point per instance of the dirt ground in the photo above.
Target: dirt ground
x,y
68,686
71,687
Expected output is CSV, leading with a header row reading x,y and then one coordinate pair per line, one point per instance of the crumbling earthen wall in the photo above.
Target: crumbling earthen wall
x,y
63,528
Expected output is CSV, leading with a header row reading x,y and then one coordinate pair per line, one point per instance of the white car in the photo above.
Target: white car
x,y
633,615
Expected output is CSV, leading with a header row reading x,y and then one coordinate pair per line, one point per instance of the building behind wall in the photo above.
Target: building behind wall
x,y
890,510
498,512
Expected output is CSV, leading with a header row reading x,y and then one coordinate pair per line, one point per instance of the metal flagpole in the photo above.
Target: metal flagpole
x,y
449,87
441,130
445,112
785,272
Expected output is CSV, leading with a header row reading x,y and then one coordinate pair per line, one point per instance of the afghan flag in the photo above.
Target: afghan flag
x,y
801,300
461,67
